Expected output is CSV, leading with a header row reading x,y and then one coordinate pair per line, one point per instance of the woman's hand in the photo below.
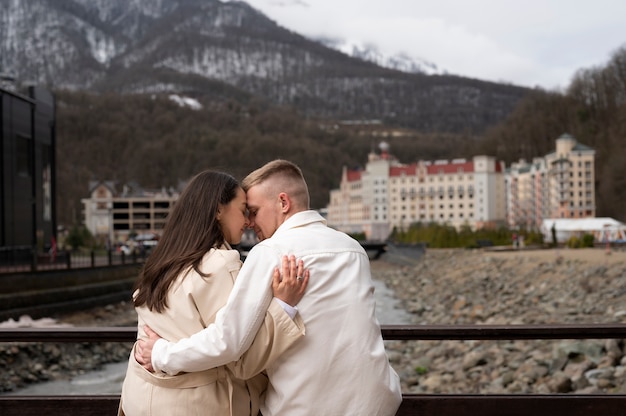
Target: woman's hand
x,y
143,348
290,288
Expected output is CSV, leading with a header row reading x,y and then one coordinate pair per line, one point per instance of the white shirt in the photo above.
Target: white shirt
x,y
340,367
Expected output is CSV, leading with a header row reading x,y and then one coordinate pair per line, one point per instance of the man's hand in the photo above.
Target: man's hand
x,y
143,348
290,288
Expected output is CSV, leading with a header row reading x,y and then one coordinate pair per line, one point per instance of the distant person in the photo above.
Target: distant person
x,y
184,283
340,367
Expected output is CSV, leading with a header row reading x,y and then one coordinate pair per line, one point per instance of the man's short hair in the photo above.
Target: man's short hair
x,y
288,177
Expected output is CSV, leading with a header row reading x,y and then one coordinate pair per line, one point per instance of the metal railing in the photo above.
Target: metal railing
x,y
412,404
25,259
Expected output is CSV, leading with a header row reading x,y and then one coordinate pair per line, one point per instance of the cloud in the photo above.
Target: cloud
x,y
536,42
288,3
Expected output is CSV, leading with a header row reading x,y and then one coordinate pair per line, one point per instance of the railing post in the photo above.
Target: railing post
x,y
110,256
93,258
68,259
123,257
33,259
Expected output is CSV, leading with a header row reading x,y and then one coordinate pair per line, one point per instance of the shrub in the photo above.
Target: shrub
x,y
587,240
79,236
421,370
573,242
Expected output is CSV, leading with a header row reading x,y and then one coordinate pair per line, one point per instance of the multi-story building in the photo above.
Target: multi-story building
x,y
388,194
27,169
114,215
527,193
572,181
558,185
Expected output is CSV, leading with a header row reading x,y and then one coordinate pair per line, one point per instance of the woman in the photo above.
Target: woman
x,y
185,281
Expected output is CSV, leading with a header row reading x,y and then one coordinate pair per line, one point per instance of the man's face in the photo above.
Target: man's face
x,y
263,211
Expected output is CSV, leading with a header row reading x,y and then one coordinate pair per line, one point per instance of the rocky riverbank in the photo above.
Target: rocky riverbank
x,y
442,287
514,287
28,363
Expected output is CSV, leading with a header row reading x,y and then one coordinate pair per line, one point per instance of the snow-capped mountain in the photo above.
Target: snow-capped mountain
x,y
210,50
371,53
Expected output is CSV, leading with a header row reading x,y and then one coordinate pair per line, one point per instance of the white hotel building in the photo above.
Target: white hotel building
x,y
388,194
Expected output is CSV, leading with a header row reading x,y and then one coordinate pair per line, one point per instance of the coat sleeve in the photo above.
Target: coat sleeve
x,y
235,324
277,334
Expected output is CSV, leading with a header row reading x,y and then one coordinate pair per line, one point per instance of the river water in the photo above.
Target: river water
x,y
109,379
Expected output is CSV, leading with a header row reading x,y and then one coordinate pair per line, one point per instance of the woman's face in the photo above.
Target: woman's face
x,y
233,218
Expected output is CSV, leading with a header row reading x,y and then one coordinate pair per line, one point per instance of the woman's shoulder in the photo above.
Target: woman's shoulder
x,y
220,257
216,263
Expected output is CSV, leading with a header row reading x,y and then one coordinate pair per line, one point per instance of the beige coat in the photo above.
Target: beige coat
x,y
341,367
234,389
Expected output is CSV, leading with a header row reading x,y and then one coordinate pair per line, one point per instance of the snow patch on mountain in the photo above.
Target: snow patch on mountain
x,y
186,102
371,53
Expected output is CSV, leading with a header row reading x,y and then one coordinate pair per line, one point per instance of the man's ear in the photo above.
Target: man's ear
x,y
285,202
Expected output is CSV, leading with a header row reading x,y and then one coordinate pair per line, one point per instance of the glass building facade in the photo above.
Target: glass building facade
x,y
27,174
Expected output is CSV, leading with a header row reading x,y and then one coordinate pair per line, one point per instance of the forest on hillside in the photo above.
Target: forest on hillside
x,y
593,110
155,142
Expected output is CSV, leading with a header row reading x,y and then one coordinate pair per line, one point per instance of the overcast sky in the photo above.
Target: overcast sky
x,y
529,43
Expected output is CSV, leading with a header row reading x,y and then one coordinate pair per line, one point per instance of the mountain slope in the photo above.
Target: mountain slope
x,y
225,51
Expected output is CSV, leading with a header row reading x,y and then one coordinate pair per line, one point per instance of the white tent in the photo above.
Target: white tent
x,y
603,229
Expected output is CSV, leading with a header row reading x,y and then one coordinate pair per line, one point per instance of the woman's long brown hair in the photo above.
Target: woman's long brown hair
x,y
191,231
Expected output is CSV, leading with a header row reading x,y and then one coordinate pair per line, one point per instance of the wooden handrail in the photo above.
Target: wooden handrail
x,y
69,334
504,332
412,405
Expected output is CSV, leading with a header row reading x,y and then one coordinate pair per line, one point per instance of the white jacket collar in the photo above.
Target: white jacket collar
x,y
300,219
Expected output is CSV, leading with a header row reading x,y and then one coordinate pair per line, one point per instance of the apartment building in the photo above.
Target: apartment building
x,y
559,185
113,215
387,194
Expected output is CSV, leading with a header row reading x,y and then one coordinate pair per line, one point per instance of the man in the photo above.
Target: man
x,y
340,367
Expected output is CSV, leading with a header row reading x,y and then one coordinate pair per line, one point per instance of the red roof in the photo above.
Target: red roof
x,y
451,168
353,175
411,170
400,170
